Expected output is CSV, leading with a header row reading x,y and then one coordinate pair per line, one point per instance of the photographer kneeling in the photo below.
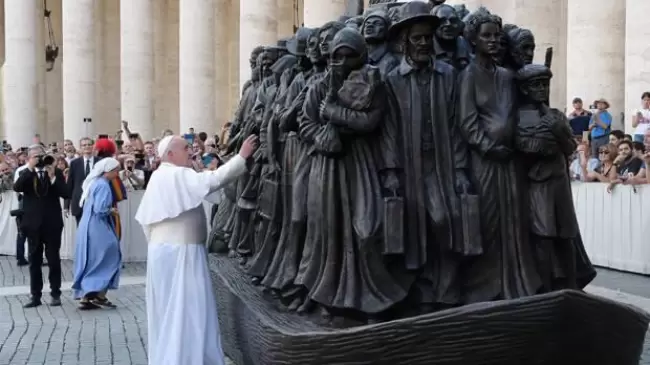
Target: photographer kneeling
x,y
43,187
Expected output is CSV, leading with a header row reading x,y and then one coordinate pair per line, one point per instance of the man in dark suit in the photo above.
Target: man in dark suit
x,y
42,186
79,169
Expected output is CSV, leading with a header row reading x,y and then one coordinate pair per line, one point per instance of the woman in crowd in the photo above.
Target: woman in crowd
x,y
97,256
606,172
62,165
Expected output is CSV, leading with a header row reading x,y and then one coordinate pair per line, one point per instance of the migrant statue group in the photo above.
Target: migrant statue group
x,y
409,203
409,162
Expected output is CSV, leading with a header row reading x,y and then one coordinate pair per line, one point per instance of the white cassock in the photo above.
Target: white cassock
x,y
181,309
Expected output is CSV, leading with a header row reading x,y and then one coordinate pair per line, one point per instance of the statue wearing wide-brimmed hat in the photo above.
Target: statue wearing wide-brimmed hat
x,y
412,13
431,161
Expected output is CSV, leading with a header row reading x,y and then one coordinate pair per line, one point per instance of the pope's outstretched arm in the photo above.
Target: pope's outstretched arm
x,y
226,173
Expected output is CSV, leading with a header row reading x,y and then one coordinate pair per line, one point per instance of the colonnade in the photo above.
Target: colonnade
x,y
181,63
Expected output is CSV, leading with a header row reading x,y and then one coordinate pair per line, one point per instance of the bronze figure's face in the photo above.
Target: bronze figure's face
x,y
313,49
325,40
523,51
375,28
450,24
268,59
345,60
419,42
536,89
488,39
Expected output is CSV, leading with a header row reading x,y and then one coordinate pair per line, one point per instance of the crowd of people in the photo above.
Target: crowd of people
x,y
127,164
138,157
606,155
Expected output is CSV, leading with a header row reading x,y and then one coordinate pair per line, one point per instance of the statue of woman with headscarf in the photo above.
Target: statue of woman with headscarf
x,y
342,266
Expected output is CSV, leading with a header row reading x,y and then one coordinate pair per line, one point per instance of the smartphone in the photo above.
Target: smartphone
x,y
189,137
207,159
134,136
102,136
119,143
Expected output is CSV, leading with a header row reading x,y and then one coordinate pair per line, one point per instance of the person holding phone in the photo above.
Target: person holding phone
x,y
132,177
600,125
641,118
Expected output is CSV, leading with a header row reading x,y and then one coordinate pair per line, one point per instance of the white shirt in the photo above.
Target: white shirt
x,y
88,159
129,182
644,123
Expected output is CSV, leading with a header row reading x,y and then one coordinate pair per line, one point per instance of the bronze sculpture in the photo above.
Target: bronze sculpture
x,y
431,158
487,120
375,30
345,268
546,139
449,45
227,213
294,165
407,168
521,47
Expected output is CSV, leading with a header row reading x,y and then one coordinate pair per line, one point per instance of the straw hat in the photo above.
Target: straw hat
x,y
602,100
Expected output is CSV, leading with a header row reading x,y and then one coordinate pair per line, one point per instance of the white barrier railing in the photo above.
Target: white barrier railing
x,y
133,243
615,227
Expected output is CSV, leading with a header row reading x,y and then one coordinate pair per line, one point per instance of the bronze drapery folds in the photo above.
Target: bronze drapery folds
x,y
410,162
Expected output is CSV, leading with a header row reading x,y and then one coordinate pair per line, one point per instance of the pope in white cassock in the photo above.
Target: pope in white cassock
x,y
181,309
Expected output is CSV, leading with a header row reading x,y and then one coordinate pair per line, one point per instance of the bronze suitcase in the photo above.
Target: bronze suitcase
x,y
470,244
394,225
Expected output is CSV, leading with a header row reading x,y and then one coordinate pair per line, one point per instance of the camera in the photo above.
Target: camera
x,y
44,160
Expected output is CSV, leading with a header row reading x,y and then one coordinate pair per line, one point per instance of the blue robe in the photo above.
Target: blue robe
x,y
98,259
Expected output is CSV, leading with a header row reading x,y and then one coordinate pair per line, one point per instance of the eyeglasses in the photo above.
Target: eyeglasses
x,y
603,152
86,144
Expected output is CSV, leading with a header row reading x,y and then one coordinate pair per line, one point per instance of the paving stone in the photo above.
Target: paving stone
x,y
66,336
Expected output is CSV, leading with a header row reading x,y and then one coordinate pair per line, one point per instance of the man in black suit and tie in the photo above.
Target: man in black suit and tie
x,y
42,186
79,169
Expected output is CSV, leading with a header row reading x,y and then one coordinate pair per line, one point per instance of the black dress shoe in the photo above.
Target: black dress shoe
x,y
33,303
22,262
55,302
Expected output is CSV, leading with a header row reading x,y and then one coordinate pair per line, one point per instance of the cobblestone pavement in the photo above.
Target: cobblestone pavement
x,y
12,275
65,336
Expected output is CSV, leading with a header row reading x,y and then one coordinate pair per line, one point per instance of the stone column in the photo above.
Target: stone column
x,y
258,25
54,81
596,54
233,59
79,73
20,88
221,81
286,16
196,65
319,12
637,57
137,66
